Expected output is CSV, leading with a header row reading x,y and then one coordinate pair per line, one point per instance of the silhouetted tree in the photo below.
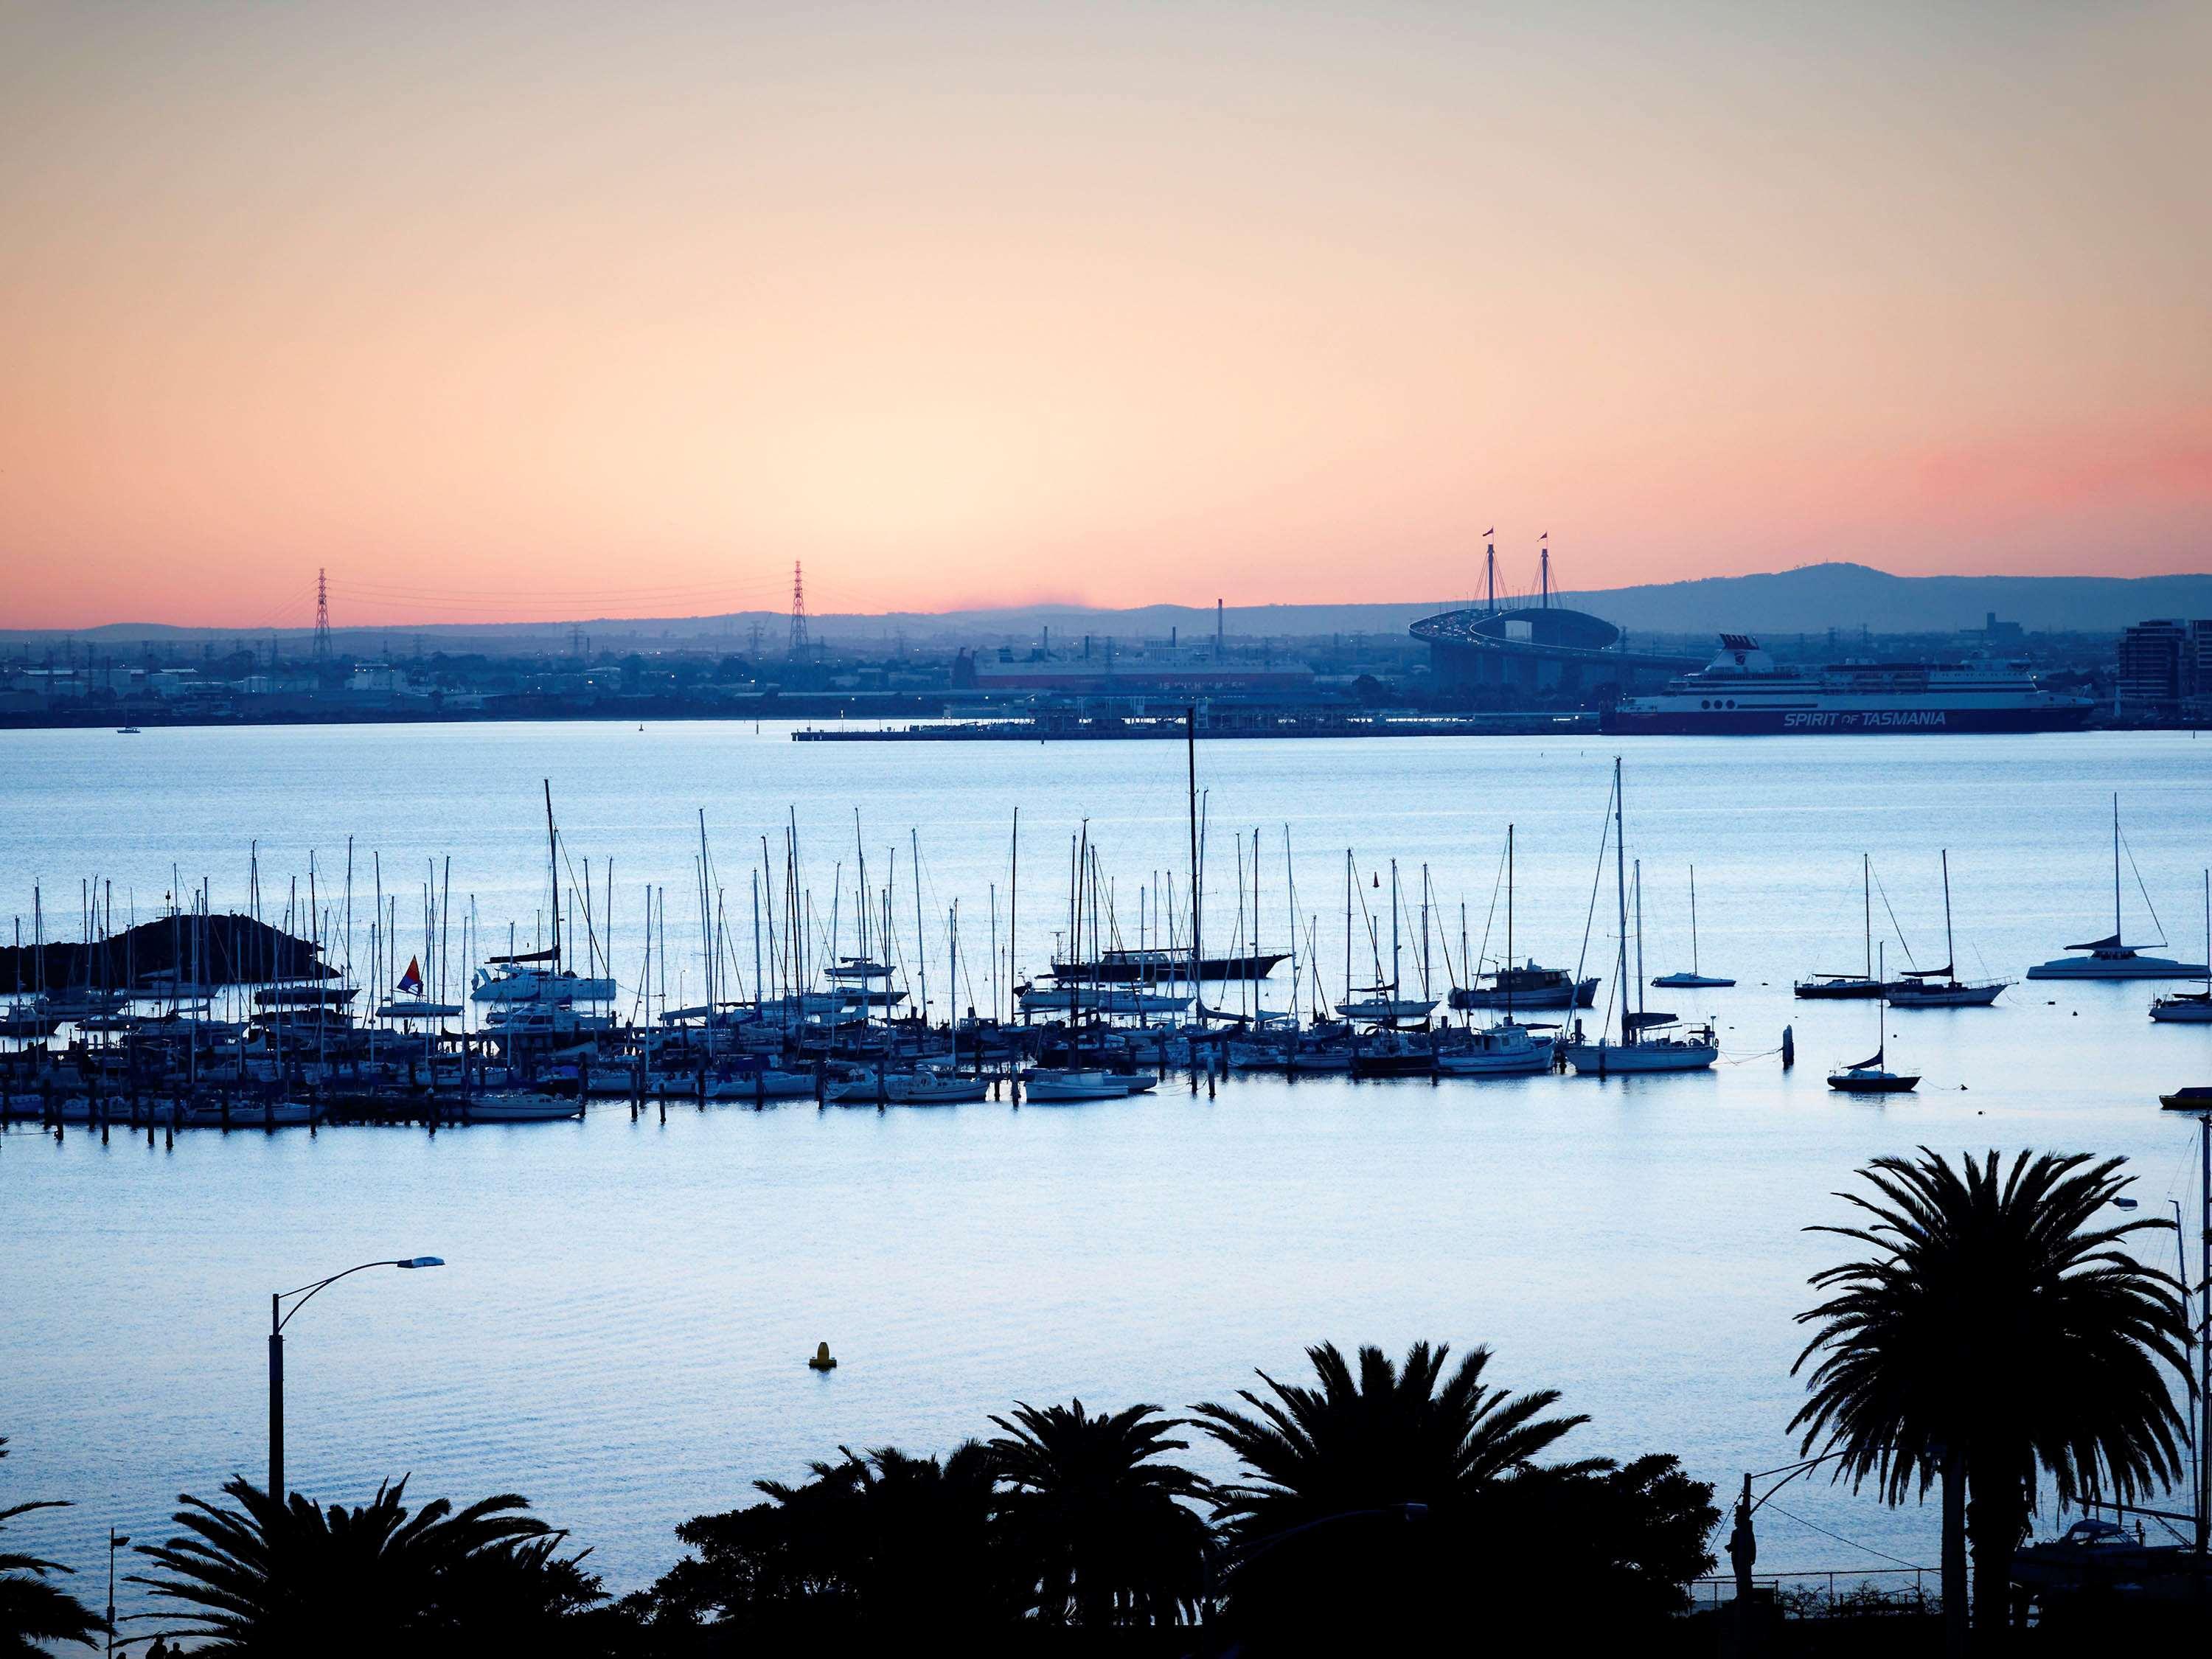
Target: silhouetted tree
x,y
33,1612
885,1540
1362,1515
263,1577
1995,1331
1095,1517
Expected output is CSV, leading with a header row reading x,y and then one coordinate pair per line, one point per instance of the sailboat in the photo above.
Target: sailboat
x,y
2113,957
1504,1048
1380,1004
1638,1049
1871,1076
1693,979
1838,986
1941,987
2191,1007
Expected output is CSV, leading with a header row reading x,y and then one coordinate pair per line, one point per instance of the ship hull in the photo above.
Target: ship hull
x,y
1778,722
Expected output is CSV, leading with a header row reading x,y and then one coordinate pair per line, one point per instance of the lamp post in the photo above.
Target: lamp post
x,y
116,1540
280,1316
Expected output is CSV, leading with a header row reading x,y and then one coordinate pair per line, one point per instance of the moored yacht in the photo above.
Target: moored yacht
x,y
2112,957
2191,1007
1649,1041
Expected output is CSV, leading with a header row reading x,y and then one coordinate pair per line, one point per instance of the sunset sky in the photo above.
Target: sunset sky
x,y
538,310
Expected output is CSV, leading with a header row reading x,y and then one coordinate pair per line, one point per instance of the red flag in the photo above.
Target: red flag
x,y
412,979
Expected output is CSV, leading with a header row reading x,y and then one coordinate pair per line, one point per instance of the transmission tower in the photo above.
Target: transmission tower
x,y
322,614
797,610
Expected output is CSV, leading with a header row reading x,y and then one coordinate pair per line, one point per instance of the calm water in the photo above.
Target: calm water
x,y
621,1332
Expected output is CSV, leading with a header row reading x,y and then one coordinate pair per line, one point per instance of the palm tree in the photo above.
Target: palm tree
x,y
33,1612
1389,1437
280,1578
1995,1331
1097,1516
1366,1498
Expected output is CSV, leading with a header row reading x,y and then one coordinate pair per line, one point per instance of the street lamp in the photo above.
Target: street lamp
x,y
280,1316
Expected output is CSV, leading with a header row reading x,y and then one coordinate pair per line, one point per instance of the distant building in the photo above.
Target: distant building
x,y
2164,665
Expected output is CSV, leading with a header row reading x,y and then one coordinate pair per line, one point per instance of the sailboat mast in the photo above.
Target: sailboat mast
x,y
1639,936
1950,953
1693,921
2116,867
1190,763
1471,974
553,872
1394,936
1620,896
1866,901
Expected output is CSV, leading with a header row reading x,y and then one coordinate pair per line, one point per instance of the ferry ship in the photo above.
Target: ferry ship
x,y
1742,691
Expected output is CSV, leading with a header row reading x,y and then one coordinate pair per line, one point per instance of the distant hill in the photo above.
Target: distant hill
x,y
1817,597
1807,600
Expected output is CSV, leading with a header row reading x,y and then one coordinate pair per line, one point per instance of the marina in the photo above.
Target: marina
x,y
1118,1239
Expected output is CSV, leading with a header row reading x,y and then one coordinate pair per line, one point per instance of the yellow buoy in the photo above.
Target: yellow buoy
x,y
822,1361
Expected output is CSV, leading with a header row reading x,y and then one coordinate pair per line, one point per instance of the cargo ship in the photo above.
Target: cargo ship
x,y
1742,691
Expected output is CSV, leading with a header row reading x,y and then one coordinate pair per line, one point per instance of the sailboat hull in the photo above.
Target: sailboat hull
x,y
1618,1059
2116,966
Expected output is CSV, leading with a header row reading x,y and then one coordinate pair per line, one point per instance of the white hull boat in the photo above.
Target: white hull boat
x,y
919,1086
1604,1058
1048,1087
522,1106
1499,1051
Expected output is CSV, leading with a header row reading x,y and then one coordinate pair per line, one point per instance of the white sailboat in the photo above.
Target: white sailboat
x,y
1644,1044
1693,979
1505,1047
1941,987
2113,957
2191,1007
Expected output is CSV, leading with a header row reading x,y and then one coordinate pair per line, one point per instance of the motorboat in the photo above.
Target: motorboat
x,y
1692,980
2111,956
1941,987
1528,985
521,1106
1504,1049
524,979
1047,1085
2197,1097
916,1086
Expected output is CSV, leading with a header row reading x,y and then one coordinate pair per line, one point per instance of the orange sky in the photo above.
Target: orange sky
x,y
532,310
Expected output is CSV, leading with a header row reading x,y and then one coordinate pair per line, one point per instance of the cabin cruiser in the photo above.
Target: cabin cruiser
x,y
1528,985
524,979
1504,1049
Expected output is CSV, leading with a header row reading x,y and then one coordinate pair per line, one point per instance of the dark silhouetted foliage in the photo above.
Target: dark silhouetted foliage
x,y
1094,1516
34,1612
264,1578
1995,1321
